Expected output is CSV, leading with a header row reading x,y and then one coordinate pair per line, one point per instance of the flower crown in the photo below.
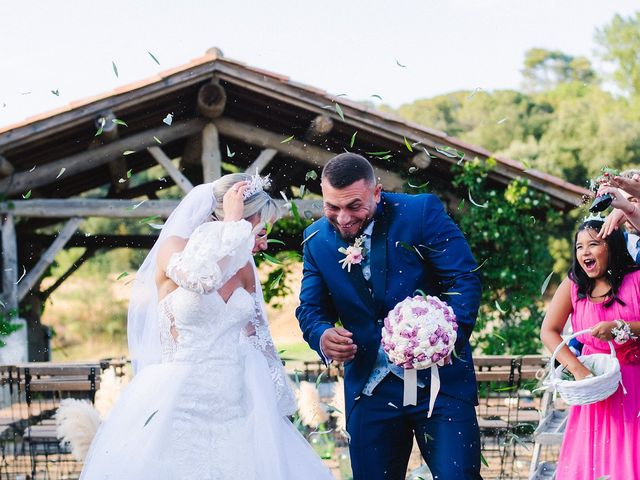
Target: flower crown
x,y
258,184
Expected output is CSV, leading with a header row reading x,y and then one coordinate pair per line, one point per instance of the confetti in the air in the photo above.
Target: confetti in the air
x,y
128,152
122,275
168,119
26,195
500,309
129,173
24,272
115,68
353,139
340,112
309,238
501,121
407,144
377,96
399,64
288,139
62,170
56,92
545,284
230,154
153,57
311,175
484,205
157,139
33,168
117,121
149,419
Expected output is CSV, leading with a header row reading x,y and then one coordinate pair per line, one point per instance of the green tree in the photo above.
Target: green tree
x,y
509,238
545,69
620,43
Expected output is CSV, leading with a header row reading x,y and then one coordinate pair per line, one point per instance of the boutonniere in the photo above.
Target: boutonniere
x,y
353,253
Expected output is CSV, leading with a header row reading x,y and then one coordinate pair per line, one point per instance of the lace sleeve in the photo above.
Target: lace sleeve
x,y
257,334
214,253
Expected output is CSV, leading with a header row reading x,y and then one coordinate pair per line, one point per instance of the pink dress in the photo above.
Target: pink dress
x,y
603,439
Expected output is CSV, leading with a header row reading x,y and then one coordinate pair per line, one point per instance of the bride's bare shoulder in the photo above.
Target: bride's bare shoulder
x,y
167,248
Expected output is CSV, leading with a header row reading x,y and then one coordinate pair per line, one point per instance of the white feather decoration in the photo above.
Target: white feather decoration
x,y
339,404
77,422
110,388
311,410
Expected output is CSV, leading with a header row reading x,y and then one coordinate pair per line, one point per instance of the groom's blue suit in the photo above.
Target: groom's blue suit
x,y
381,429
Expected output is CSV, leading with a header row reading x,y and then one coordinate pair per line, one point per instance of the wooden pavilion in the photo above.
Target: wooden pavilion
x,y
195,120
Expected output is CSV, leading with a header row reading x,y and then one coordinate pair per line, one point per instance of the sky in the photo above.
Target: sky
x,y
399,50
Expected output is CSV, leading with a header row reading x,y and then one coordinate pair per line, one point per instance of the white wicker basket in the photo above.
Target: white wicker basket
x,y
602,385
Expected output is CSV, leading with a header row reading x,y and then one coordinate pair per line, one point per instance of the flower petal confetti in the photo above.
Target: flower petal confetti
x,y
168,119
230,154
157,140
377,96
309,237
340,112
407,144
24,272
500,122
353,139
399,64
26,195
545,284
128,152
56,92
484,205
117,121
311,175
122,275
149,419
149,219
288,139
62,170
115,68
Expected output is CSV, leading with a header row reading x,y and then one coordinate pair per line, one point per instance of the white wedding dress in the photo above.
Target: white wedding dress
x,y
215,408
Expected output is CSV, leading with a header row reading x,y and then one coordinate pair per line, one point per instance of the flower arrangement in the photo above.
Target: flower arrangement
x,y
354,254
420,333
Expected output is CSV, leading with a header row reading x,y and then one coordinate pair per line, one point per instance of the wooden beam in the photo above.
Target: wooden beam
x,y
86,255
211,157
47,258
262,161
295,148
114,208
160,157
6,168
75,164
9,263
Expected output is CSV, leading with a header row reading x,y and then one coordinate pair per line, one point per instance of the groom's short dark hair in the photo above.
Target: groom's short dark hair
x,y
347,168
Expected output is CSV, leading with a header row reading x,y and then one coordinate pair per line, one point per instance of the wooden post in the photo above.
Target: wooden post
x,y
48,257
16,345
9,263
262,161
211,157
182,181
118,166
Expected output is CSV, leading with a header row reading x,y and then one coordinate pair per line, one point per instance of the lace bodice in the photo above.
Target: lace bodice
x,y
210,329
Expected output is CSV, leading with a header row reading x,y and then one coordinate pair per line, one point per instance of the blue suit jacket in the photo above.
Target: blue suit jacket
x,y
443,267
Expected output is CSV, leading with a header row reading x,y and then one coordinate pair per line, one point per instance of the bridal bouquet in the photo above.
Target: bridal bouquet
x,y
420,333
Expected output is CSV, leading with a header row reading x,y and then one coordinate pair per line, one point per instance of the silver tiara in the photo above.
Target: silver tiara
x,y
593,217
258,184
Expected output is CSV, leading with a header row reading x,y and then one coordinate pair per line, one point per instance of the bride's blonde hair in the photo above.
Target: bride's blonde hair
x,y
260,203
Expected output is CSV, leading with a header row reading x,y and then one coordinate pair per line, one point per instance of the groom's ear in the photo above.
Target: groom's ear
x,y
377,192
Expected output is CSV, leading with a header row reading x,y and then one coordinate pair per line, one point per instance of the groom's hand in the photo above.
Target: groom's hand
x,y
337,344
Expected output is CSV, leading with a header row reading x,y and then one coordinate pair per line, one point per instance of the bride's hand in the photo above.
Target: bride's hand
x,y
233,202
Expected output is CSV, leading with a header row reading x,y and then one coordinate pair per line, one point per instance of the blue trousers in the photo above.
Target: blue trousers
x,y
382,432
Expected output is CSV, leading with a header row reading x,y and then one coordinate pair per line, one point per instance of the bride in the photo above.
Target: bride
x,y
209,399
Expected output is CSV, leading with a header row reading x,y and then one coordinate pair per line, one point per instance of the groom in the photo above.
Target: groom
x,y
410,243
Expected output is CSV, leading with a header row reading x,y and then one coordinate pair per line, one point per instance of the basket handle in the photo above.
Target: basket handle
x,y
566,341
